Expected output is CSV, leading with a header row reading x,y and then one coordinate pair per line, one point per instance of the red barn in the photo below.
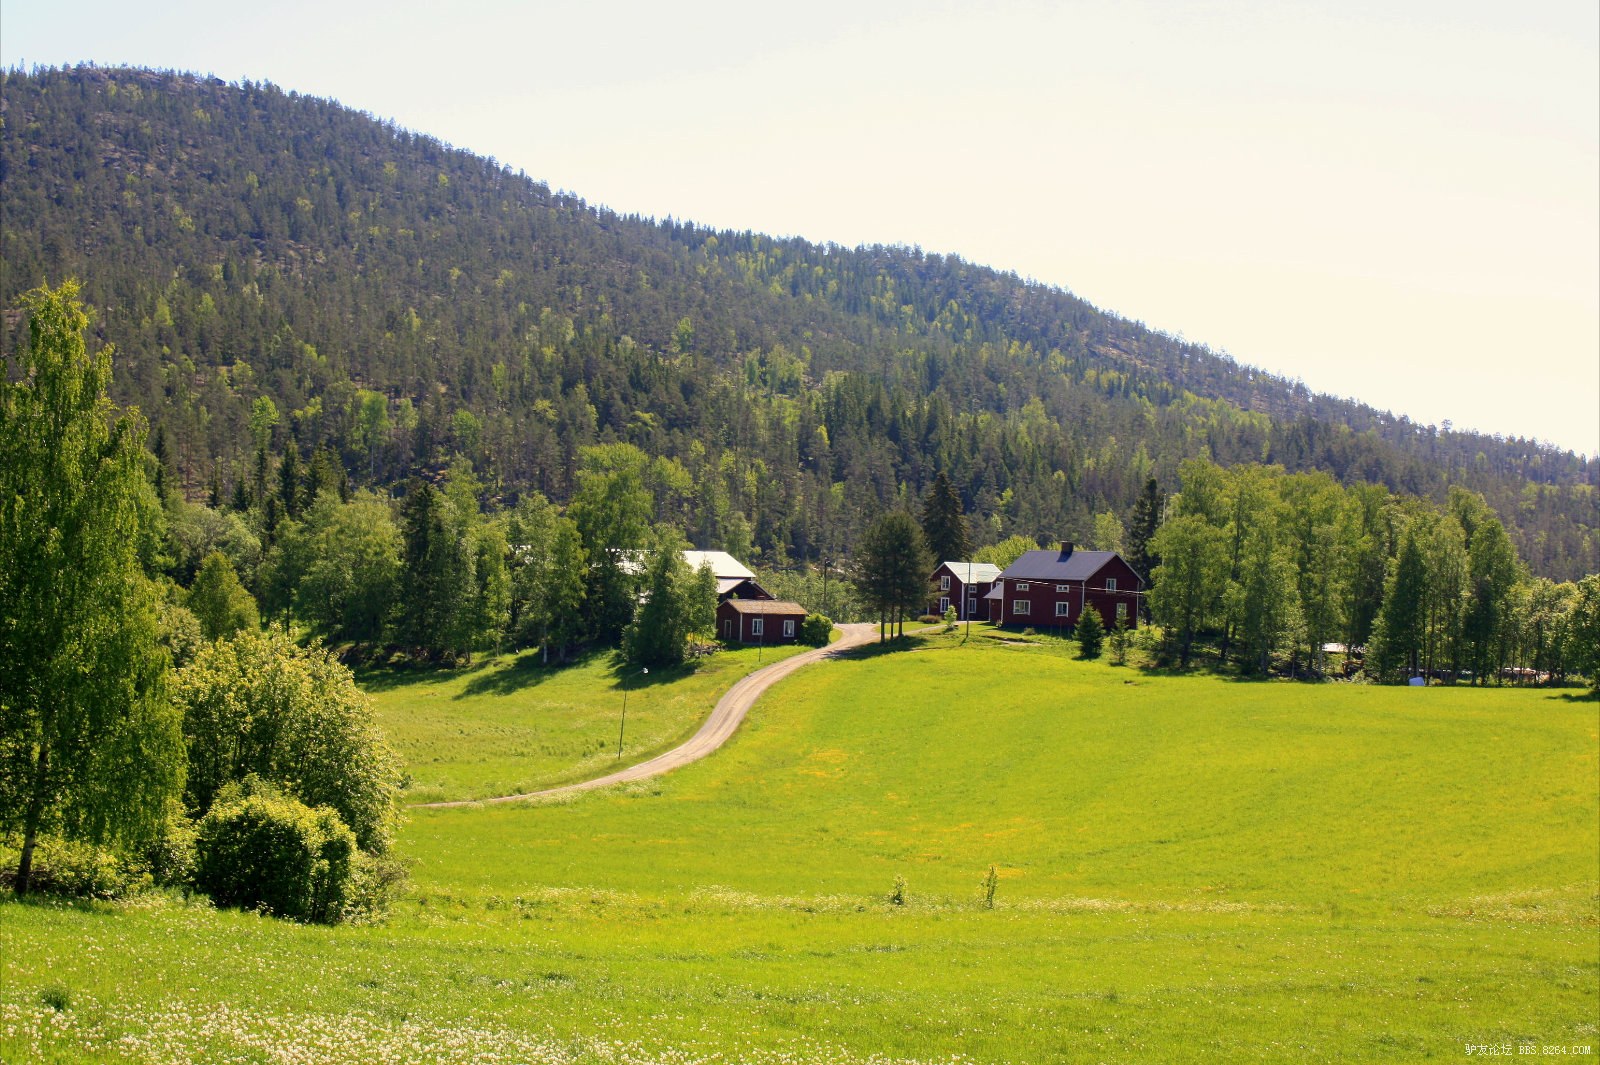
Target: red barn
x,y
1052,588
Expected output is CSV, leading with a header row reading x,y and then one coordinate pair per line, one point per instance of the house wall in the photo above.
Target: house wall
x,y
1042,598
735,627
956,596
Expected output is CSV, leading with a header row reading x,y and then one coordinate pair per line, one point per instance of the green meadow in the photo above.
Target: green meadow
x,y
1187,869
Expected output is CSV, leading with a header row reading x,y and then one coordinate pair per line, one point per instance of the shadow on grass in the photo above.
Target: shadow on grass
x,y
878,648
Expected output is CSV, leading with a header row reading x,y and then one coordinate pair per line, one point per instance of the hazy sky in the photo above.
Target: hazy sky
x,y
1396,201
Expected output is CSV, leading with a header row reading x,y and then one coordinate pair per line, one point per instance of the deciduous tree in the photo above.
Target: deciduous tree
x,y
90,746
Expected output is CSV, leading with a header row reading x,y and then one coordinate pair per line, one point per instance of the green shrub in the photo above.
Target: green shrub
x,y
76,870
949,618
815,630
1091,632
259,849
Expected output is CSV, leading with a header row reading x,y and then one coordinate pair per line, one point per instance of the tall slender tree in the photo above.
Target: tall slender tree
x,y
944,525
90,745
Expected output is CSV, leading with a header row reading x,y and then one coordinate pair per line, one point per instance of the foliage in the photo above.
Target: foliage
x,y
1120,638
785,393
1006,551
90,748
549,576
260,706
891,568
219,602
1091,633
816,630
678,602
944,525
259,849
343,567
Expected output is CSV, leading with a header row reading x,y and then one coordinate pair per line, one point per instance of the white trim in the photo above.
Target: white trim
x,y
1111,584
1063,610
757,627
1019,606
788,626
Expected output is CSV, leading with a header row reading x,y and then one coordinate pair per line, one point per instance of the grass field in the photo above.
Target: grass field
x,y
509,725
1190,869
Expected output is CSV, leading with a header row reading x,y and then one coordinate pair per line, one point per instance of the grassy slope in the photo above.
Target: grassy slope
x,y
509,725
1191,869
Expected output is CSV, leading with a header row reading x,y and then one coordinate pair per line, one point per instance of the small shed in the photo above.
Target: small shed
x,y
759,620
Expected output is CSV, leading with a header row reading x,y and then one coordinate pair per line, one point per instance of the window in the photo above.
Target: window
x,y
1022,586
1019,606
755,626
944,604
788,626
944,583
1063,610
1111,584
972,605
1063,587
1122,610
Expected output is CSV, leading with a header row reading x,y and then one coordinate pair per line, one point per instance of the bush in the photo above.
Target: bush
x,y
816,629
77,870
259,849
949,618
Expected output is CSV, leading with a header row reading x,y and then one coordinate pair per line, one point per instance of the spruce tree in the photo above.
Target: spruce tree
x,y
1146,519
944,526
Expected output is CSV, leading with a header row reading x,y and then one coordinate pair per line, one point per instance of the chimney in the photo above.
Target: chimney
x,y
1066,550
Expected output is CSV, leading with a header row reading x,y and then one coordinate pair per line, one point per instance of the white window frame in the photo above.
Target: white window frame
x,y
944,603
1111,584
1019,606
1063,610
1063,587
1022,586
1122,610
972,605
944,583
788,626
757,628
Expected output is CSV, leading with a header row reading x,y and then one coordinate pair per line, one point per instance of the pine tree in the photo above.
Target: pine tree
x,y
1091,633
1142,526
220,602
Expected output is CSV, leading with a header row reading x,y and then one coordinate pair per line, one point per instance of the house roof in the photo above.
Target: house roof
x,y
764,606
728,584
981,571
1056,565
722,564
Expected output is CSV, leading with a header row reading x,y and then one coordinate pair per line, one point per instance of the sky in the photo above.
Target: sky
x,y
1397,202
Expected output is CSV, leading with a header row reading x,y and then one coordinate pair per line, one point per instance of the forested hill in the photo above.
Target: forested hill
x,y
402,302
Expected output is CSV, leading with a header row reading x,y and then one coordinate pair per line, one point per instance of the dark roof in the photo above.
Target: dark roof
x,y
764,606
1053,565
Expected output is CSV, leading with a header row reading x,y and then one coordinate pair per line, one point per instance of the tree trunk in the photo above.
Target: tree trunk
x,y
30,822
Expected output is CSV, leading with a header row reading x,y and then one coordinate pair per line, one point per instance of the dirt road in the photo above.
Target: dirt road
x,y
718,728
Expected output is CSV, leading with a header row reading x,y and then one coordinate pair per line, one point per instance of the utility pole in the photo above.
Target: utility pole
x,y
645,672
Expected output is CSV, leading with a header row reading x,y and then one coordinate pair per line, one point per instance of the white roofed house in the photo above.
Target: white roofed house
x,y
734,579
962,585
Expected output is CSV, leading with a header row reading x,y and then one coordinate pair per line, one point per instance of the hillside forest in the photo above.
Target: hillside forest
x,y
301,295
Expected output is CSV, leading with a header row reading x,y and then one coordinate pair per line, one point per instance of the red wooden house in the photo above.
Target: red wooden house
x,y
759,620
1052,588
962,585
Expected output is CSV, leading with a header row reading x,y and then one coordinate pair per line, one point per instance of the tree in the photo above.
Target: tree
x,y
1091,633
436,569
1108,532
612,510
549,576
292,717
1400,631
1006,551
891,569
219,601
677,603
351,566
1188,583
1142,526
1584,631
90,746
944,526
